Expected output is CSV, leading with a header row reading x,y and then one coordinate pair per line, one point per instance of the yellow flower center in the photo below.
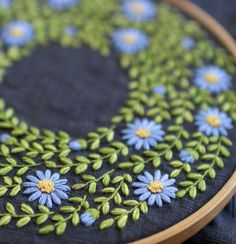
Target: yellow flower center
x,y
213,121
46,186
211,78
143,133
129,39
155,186
16,32
137,8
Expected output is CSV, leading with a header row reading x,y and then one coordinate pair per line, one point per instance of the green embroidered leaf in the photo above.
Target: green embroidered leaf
x,y
41,219
175,173
105,208
23,221
139,168
193,192
181,193
202,185
136,214
26,208
5,170
61,228
118,211
144,207
10,208
130,202
106,224
3,190
46,229
67,209
80,169
118,199
121,223
43,209
5,220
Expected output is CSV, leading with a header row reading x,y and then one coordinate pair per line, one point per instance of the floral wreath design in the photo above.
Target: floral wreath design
x,y
179,80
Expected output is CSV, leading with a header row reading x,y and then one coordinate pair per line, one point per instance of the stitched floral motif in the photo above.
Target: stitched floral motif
x,y
155,188
130,40
46,187
166,98
5,3
139,10
17,33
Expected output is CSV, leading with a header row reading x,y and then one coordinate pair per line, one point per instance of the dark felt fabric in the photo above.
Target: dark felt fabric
x,y
37,87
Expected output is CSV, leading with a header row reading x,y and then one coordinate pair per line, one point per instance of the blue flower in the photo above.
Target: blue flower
x,y
143,133
17,33
48,188
62,4
155,189
130,40
186,156
70,31
74,145
5,3
89,216
160,90
212,78
188,43
213,122
139,10
4,137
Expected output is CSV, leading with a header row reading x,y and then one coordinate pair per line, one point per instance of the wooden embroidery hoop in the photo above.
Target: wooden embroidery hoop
x,y
198,220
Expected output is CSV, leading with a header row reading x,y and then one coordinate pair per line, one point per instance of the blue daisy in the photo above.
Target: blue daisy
x,y
89,216
5,3
160,90
143,133
62,4
155,189
188,43
139,10
47,187
70,31
17,33
212,78
186,156
213,122
4,137
130,40
74,145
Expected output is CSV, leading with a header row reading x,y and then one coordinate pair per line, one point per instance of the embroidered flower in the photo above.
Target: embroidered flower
x,y
188,43
213,122
48,188
74,145
89,216
213,79
143,133
17,33
160,90
62,4
130,40
5,3
155,189
70,31
186,156
139,10
4,137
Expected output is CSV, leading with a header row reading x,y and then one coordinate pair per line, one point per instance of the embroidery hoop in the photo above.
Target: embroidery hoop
x,y
186,228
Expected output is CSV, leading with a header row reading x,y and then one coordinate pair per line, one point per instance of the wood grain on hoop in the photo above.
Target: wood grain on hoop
x,y
195,222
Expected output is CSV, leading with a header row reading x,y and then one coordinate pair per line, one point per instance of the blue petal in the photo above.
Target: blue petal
x,y
144,196
35,195
152,199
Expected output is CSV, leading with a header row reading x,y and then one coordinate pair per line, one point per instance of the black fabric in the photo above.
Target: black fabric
x,y
37,87
78,88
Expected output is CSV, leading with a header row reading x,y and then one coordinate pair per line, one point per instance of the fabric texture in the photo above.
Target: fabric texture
x,y
37,88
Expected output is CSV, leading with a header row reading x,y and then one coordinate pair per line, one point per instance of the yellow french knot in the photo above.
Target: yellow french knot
x,y
211,78
46,186
16,32
143,133
155,186
129,39
213,121
138,8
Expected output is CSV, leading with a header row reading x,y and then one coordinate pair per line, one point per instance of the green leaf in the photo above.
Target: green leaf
x,y
202,185
75,219
3,190
81,168
176,164
106,224
5,220
121,223
181,193
130,202
26,208
144,207
175,173
23,221
67,209
41,219
125,189
139,168
61,228
15,190
10,208
118,211
105,208
193,192
5,170
46,229
136,214
118,199
194,176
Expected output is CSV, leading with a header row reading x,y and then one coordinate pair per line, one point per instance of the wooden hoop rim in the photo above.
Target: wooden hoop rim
x,y
188,227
